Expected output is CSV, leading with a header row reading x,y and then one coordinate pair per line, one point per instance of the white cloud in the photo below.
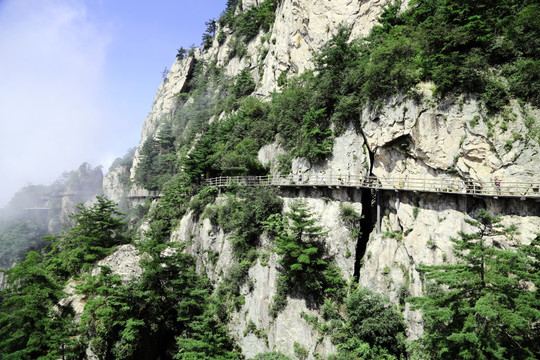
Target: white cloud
x,y
51,71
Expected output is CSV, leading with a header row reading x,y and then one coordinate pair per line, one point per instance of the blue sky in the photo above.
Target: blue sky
x,y
78,77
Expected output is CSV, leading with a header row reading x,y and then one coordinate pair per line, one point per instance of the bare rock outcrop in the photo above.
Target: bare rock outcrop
x,y
406,136
125,262
423,138
114,186
165,101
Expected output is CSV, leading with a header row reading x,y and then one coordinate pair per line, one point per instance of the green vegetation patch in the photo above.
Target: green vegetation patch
x,y
305,266
482,307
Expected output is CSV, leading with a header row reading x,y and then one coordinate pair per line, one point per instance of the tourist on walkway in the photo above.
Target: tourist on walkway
x,y
498,185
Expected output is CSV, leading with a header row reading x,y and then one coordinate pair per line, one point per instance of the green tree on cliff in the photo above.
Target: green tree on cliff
x,y
305,266
483,307
31,326
97,229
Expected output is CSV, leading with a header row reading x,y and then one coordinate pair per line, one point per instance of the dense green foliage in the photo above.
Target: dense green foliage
x,y
31,324
96,231
251,21
363,325
158,160
271,356
483,307
460,46
230,147
369,328
466,48
30,328
480,308
244,214
305,266
167,314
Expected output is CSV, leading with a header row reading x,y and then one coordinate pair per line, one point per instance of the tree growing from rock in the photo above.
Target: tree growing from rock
x,y
97,229
485,306
305,266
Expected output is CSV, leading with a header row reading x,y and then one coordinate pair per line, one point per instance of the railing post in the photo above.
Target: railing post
x,y
378,212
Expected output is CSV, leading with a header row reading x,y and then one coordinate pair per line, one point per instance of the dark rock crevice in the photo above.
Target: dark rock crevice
x,y
367,223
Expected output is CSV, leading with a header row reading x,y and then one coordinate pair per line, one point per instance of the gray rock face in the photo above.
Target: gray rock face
x,y
113,186
2,280
421,137
390,264
165,102
124,262
288,327
302,27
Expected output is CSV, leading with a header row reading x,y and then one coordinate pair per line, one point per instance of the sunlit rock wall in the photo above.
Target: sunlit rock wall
x,y
416,136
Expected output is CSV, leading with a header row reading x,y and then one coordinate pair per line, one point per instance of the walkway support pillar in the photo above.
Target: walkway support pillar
x,y
378,212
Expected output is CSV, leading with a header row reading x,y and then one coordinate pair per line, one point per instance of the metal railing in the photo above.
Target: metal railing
x,y
143,193
448,184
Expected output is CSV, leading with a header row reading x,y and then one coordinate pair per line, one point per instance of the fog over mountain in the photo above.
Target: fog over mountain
x,y
78,78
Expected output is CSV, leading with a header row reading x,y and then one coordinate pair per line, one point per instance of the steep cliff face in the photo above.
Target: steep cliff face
x,y
407,136
165,103
300,29
440,139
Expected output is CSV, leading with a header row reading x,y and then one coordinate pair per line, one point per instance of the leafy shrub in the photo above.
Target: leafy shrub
x,y
258,17
204,197
524,79
316,140
274,355
495,96
243,84
305,265
244,215
350,217
372,328
221,37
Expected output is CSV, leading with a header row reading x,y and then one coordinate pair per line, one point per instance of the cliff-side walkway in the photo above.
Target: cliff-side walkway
x,y
452,185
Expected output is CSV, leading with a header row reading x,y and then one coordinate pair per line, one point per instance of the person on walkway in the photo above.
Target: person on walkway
x,y
462,188
498,185
340,178
299,177
321,177
291,177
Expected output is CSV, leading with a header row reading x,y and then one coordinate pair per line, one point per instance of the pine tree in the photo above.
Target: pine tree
x,y
302,252
305,266
483,307
370,328
97,229
30,327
